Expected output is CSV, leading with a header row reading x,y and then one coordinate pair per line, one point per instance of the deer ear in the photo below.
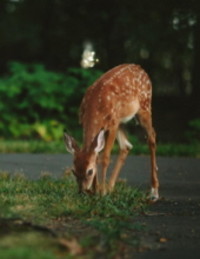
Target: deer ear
x,y
70,144
99,141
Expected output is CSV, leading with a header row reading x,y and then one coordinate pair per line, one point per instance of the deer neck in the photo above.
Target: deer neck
x,y
90,131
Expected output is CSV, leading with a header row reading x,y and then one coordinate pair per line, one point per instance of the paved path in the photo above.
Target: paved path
x,y
173,223
177,175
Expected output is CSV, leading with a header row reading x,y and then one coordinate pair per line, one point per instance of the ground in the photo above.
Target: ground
x,y
171,226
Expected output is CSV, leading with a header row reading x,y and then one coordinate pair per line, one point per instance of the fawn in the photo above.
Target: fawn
x,y
115,98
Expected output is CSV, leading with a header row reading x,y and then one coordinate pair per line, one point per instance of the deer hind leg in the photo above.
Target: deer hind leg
x,y
125,146
146,122
105,160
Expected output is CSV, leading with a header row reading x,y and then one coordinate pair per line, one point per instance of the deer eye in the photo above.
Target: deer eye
x,y
90,172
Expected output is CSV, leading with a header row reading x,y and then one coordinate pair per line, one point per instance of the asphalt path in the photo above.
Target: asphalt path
x,y
172,224
176,175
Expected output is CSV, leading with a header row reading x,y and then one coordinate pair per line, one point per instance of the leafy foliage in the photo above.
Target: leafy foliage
x,y
54,34
193,134
35,102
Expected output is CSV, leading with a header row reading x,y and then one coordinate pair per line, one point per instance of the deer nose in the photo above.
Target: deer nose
x,y
84,191
81,192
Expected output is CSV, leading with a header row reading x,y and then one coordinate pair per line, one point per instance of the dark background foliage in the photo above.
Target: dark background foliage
x,y
43,87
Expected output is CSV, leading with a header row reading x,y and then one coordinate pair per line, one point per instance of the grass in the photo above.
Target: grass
x,y
48,219
31,146
26,245
39,146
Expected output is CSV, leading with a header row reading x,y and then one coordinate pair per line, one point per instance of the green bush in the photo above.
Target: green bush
x,y
35,102
193,134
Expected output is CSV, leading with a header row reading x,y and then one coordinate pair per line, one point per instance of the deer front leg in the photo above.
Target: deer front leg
x,y
95,185
125,146
105,161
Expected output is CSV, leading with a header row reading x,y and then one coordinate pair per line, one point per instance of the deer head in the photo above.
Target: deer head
x,y
85,161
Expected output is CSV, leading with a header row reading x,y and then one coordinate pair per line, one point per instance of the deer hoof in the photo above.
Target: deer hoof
x,y
110,188
154,195
102,190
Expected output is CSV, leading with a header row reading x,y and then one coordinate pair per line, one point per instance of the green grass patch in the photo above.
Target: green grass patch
x,y
47,218
27,244
40,146
31,146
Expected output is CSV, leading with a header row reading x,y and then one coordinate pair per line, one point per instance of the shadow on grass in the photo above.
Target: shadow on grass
x,y
48,219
